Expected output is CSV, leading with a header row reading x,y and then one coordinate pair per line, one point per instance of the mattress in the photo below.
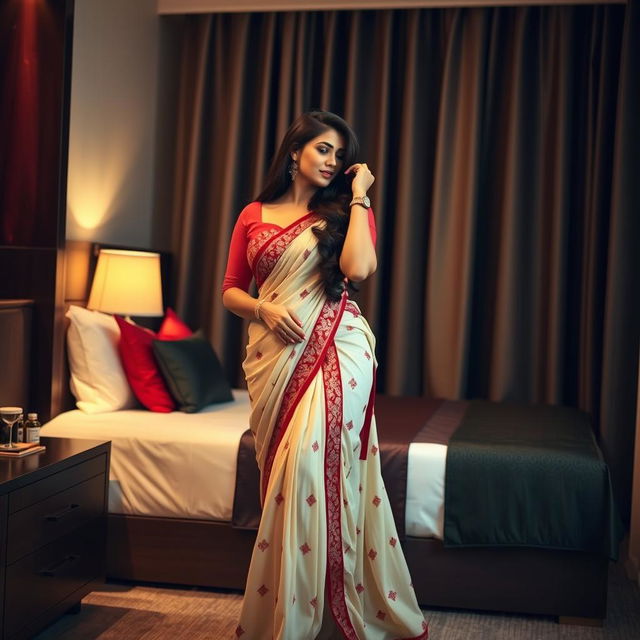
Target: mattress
x,y
183,465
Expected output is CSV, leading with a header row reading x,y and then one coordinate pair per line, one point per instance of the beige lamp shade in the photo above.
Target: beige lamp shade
x,y
127,283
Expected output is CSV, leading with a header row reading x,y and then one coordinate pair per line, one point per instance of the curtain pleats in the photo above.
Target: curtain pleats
x,y
621,342
502,141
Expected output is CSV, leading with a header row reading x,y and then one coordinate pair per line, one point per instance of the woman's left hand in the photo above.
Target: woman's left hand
x,y
363,178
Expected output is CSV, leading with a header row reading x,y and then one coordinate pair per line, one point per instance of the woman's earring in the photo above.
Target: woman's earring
x,y
293,170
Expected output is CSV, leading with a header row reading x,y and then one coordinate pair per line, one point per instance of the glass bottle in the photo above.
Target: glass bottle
x,y
32,428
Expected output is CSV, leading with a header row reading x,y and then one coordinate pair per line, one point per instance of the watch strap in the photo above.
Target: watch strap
x,y
361,201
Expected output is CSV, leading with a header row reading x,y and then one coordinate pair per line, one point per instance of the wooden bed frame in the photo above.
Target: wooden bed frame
x,y
569,585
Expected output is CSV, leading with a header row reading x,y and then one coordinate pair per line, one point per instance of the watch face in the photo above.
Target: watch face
x,y
366,202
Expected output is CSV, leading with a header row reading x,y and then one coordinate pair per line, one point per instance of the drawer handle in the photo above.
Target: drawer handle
x,y
55,517
53,570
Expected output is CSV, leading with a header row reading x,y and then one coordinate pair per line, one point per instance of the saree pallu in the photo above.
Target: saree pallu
x,y
327,562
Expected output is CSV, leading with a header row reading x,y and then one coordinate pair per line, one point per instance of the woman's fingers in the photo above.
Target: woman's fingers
x,y
354,168
295,316
294,329
288,326
363,178
289,331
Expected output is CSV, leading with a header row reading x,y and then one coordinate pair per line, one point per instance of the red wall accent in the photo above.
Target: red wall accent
x,y
31,120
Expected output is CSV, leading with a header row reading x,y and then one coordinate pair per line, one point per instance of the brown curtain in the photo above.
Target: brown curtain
x,y
506,199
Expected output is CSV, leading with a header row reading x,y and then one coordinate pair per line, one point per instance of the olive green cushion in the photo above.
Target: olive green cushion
x,y
192,372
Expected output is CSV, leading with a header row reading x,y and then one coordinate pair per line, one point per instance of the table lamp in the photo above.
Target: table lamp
x,y
127,283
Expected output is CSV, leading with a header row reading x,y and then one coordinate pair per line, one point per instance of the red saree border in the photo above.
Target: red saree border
x,y
332,455
269,253
310,361
366,426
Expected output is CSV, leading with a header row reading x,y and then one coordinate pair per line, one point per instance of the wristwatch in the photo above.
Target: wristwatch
x,y
362,201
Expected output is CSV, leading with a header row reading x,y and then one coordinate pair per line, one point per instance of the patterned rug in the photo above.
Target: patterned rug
x,y
135,612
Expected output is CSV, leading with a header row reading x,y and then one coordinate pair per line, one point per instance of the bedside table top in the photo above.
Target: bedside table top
x,y
60,454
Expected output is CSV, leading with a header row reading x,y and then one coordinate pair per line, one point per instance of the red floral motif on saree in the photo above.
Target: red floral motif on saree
x,y
255,243
352,309
306,368
270,246
368,411
305,548
335,560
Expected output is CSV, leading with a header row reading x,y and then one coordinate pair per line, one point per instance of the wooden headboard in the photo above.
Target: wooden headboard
x,y
16,322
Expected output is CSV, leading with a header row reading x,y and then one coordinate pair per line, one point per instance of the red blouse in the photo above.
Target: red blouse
x,y
249,225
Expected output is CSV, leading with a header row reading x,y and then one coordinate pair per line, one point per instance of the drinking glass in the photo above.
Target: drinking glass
x,y
10,416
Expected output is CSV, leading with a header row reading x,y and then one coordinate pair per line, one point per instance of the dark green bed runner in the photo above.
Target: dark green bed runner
x,y
528,476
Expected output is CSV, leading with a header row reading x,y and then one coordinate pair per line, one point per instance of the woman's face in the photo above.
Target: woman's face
x,y
320,159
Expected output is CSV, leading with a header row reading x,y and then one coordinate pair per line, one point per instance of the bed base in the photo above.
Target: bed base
x,y
570,585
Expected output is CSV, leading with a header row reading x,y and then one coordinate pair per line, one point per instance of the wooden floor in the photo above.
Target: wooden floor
x,y
137,612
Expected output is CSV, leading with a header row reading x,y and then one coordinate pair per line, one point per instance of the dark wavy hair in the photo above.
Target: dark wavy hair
x,y
331,203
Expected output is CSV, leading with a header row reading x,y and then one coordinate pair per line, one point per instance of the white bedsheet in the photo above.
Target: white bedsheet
x,y
183,465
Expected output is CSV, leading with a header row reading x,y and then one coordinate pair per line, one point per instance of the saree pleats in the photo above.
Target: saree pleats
x,y
327,542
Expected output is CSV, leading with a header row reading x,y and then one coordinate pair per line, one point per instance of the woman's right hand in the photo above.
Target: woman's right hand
x,y
283,321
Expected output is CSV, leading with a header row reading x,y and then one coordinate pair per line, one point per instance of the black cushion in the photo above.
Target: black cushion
x,y
192,371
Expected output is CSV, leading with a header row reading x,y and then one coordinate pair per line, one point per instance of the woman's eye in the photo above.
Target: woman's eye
x,y
322,149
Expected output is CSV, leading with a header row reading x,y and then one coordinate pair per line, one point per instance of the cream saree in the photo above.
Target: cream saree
x,y
327,562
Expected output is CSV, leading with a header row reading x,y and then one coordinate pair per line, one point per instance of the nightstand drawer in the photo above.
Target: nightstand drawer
x,y
44,521
42,489
44,578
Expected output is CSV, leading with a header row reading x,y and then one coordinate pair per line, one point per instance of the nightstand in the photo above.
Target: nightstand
x,y
53,529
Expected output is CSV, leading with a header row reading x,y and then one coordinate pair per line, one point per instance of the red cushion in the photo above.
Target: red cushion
x,y
173,328
141,369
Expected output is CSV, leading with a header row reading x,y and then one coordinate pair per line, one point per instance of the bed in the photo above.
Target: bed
x,y
174,516
205,537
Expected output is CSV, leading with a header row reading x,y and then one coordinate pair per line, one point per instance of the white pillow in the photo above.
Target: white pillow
x,y
98,381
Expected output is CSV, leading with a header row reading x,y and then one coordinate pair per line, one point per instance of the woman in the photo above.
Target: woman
x,y
326,562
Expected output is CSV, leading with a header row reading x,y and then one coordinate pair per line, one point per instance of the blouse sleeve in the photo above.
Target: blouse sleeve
x,y
372,227
238,273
